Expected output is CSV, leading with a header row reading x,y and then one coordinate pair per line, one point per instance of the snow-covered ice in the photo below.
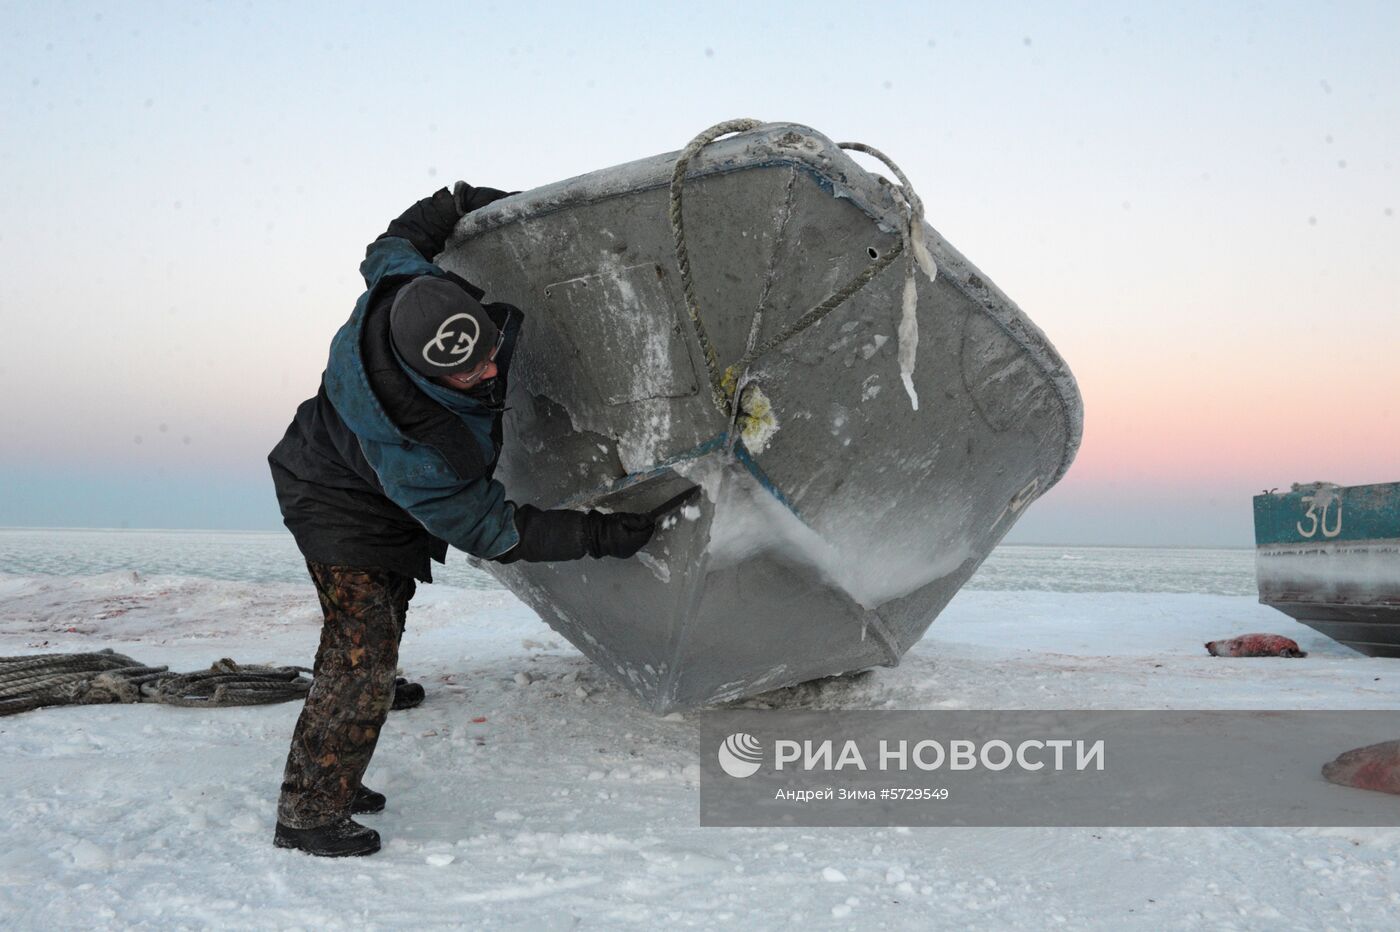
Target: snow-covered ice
x,y
529,791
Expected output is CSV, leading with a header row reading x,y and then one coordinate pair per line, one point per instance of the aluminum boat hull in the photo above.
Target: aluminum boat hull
x,y
834,529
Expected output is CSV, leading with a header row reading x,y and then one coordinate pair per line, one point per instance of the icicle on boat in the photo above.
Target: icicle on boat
x,y
865,413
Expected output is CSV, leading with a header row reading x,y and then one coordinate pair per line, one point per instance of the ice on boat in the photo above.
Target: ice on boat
x,y
851,484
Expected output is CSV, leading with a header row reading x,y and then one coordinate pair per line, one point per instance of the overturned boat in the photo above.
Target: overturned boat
x,y
865,413
1329,555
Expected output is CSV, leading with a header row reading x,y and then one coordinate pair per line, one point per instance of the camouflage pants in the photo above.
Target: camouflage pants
x,y
365,609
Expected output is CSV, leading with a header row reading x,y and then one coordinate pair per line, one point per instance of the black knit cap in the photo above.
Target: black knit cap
x,y
438,328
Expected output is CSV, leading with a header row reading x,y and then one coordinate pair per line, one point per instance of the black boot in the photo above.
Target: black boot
x,y
367,800
343,839
406,694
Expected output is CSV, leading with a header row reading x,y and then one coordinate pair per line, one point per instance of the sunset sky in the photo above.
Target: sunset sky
x,y
1197,203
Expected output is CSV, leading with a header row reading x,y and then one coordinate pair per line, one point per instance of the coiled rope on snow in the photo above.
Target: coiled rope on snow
x,y
38,680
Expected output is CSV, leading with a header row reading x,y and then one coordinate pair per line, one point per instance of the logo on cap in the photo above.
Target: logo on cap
x,y
452,344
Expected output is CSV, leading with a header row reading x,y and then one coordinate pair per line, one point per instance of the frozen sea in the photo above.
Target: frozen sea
x,y
531,792
273,557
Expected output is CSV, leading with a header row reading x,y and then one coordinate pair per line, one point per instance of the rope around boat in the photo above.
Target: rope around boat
x,y
724,384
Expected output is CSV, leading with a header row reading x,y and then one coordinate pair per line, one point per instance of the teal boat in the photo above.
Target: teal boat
x,y
1329,556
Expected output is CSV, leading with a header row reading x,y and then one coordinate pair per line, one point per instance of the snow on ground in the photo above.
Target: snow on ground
x,y
570,807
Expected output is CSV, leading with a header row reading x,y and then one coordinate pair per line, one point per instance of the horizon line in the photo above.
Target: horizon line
x,y
196,530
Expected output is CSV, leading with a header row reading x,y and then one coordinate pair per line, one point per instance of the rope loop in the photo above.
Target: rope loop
x,y
906,190
725,381
692,305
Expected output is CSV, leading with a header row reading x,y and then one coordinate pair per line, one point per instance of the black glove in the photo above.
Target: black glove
x,y
468,198
618,535
549,536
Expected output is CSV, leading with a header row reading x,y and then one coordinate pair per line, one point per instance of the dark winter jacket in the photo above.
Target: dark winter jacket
x,y
383,468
